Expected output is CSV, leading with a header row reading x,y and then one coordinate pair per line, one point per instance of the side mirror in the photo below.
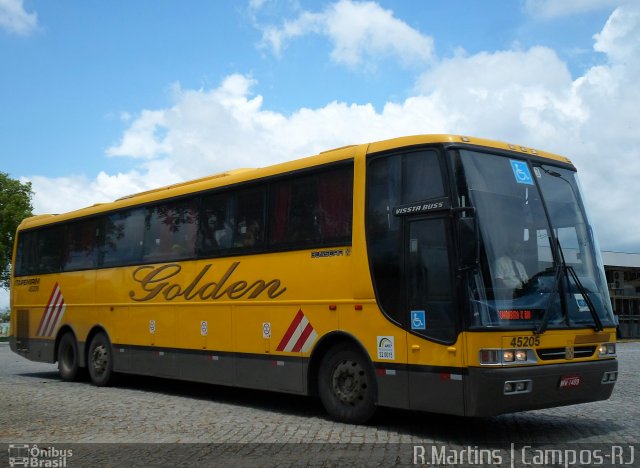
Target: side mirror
x,y
468,242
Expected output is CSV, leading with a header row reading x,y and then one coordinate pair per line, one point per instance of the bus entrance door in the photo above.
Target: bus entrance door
x,y
435,362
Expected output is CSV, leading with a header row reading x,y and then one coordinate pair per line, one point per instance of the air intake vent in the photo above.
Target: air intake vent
x,y
579,352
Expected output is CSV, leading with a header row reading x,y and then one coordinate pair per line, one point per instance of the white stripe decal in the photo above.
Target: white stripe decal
x,y
309,342
49,310
57,322
52,314
53,317
300,339
296,334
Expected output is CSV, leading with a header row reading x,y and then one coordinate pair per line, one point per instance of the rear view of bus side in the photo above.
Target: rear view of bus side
x,y
435,272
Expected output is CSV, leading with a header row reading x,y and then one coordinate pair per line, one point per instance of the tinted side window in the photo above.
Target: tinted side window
x,y
170,231
51,249
250,218
217,224
231,221
384,232
27,254
428,280
123,237
81,244
312,210
422,178
395,180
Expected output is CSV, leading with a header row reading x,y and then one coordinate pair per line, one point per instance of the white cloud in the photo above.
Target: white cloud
x,y
549,9
14,18
523,96
529,97
140,140
360,32
620,37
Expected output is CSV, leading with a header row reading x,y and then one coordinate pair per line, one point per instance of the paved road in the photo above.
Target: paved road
x,y
216,425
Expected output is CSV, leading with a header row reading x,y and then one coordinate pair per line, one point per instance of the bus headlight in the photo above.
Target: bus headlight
x,y
521,355
497,357
489,356
607,350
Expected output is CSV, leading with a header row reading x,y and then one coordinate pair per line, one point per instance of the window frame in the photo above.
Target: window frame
x,y
265,183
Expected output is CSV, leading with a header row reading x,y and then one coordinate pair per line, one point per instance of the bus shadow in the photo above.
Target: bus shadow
x,y
295,405
533,427
537,427
49,375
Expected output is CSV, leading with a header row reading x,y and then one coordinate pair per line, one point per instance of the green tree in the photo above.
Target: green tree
x,y
15,205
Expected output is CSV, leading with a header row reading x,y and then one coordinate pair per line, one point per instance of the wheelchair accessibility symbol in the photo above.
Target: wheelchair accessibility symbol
x,y
418,321
521,172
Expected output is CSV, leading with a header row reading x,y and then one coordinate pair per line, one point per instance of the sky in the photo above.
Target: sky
x,y
104,99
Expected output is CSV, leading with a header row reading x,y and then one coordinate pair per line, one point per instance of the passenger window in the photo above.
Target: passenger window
x,y
215,231
27,254
81,244
170,231
231,221
250,219
312,210
51,249
123,237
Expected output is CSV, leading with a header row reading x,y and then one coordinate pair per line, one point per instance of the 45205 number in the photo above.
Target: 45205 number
x,y
525,341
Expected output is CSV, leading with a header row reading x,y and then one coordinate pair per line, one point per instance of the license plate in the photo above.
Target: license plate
x,y
569,381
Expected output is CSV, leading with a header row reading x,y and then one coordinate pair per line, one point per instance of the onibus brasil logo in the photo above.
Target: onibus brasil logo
x,y
34,456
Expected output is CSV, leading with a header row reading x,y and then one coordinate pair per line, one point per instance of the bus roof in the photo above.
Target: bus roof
x,y
241,175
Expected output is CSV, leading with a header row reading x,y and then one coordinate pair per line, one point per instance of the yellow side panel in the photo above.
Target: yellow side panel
x,y
203,326
424,352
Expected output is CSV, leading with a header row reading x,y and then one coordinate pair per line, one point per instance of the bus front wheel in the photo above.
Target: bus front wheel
x,y
346,385
68,357
100,360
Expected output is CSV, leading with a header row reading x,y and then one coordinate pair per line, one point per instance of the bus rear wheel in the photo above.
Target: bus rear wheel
x,y
346,385
100,361
68,357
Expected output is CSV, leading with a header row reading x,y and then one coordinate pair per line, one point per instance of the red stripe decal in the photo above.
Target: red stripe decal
x,y
46,310
305,334
290,330
49,310
55,316
53,310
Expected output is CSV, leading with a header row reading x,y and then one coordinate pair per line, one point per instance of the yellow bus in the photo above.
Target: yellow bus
x,y
435,272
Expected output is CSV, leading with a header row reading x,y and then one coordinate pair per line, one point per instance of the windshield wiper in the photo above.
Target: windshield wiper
x,y
587,299
563,270
545,318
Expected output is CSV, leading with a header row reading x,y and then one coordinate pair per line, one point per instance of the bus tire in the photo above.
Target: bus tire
x,y
68,357
346,385
100,361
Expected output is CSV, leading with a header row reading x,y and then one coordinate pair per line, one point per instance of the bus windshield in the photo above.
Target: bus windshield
x,y
539,263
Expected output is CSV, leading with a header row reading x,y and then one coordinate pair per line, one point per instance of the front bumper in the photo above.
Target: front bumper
x,y
484,391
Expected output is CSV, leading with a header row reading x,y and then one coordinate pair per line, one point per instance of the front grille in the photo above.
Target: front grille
x,y
549,354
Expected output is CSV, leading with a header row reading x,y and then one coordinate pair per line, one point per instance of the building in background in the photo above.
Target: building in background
x,y
623,276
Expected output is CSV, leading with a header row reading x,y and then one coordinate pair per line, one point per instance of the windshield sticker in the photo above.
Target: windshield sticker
x,y
537,172
582,304
521,172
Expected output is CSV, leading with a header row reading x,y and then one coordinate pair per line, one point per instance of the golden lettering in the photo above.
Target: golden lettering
x,y
161,281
